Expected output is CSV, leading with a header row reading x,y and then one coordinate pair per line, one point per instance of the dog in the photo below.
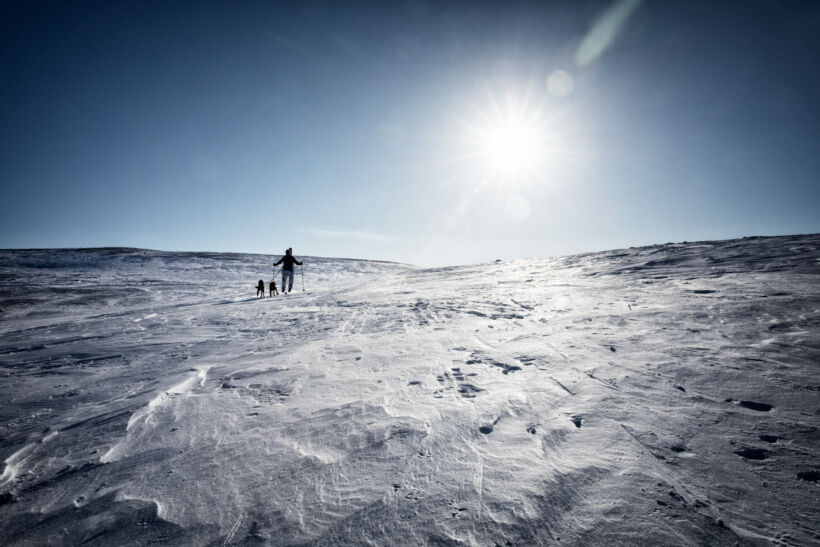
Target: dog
x,y
273,288
260,288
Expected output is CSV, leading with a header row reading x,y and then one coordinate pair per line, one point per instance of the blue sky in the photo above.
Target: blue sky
x,y
372,130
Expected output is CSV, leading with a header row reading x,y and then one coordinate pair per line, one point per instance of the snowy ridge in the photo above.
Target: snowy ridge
x,y
661,395
146,413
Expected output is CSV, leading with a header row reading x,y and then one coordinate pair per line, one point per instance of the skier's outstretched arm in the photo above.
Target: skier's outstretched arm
x,y
280,261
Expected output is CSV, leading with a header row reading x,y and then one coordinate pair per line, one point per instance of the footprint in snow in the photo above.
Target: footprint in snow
x,y
760,407
506,369
809,476
468,391
487,429
752,453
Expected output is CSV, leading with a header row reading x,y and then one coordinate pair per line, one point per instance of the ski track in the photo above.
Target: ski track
x,y
660,395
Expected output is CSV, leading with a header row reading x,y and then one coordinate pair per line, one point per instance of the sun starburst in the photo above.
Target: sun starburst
x,y
510,142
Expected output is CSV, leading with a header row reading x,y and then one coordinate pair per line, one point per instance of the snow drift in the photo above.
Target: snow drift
x,y
655,395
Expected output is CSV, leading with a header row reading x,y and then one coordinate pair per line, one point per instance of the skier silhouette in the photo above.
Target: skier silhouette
x,y
287,262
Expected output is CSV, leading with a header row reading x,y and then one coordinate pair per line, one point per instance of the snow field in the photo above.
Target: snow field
x,y
661,395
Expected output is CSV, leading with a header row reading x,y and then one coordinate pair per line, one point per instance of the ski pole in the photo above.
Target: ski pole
x,y
273,279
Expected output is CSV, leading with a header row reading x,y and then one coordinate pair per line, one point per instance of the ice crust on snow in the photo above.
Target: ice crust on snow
x,y
655,395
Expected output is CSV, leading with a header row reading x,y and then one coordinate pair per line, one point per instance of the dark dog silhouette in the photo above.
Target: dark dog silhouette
x,y
272,288
260,288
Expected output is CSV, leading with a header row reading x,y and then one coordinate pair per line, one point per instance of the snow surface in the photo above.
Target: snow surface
x,y
656,395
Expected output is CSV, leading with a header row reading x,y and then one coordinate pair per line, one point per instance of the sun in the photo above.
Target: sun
x,y
511,146
517,137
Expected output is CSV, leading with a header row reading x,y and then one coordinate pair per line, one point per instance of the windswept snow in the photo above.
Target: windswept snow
x,y
658,395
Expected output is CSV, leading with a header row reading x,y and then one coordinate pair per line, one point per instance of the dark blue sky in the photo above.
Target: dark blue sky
x,y
371,130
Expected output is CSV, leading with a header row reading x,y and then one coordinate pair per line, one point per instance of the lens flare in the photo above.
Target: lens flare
x,y
560,84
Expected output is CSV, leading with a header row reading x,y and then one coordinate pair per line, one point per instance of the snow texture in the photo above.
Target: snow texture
x,y
656,395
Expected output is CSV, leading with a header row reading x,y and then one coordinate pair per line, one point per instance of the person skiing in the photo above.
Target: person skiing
x,y
287,263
